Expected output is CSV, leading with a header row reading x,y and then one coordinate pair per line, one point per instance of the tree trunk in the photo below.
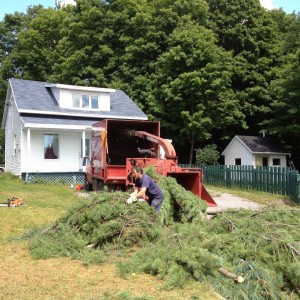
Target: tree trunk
x,y
192,140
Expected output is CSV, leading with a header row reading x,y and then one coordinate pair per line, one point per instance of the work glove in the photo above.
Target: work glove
x,y
133,194
131,199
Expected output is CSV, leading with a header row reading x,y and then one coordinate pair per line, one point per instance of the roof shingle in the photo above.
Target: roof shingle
x,y
34,96
262,144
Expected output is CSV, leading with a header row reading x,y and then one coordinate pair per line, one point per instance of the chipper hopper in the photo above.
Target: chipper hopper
x,y
118,145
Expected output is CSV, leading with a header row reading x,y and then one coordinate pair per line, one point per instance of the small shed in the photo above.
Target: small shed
x,y
255,151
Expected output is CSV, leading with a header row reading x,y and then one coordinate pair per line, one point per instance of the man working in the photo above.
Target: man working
x,y
148,188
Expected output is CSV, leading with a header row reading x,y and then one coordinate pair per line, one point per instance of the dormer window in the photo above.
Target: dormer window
x,y
85,101
81,97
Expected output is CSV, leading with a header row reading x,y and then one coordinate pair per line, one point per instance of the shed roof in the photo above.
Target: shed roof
x,y
260,144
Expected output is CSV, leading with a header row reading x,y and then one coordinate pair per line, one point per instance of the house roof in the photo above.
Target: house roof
x,y
36,98
58,122
260,144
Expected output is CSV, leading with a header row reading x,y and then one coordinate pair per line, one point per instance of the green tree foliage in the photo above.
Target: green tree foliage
x,y
248,31
35,54
24,39
2,146
283,119
285,115
194,77
203,68
208,155
10,28
83,51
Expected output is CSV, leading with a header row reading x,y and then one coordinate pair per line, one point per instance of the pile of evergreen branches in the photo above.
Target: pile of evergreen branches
x,y
262,247
107,223
180,243
103,223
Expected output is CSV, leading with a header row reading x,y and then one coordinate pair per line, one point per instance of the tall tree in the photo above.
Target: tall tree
x,y
83,51
248,31
10,28
35,53
193,86
284,117
286,107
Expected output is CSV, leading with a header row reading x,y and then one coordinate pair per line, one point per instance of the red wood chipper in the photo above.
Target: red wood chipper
x,y
118,145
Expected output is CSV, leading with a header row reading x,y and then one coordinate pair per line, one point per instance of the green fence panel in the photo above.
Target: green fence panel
x,y
276,180
294,178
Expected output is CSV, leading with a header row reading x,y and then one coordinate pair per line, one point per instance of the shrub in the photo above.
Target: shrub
x,y
208,155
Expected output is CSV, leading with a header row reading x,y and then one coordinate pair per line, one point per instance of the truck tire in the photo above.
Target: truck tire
x,y
98,184
87,185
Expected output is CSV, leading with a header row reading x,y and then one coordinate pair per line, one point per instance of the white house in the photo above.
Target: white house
x,y
48,126
255,151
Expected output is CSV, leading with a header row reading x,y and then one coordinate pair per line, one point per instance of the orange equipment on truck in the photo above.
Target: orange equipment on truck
x,y
118,145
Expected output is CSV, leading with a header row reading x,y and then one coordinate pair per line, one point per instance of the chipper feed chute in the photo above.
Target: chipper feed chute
x,y
204,195
191,181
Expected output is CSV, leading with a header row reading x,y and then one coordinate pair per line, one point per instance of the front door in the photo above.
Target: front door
x,y
265,162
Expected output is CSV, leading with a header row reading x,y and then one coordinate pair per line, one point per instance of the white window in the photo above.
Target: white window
x,y
85,101
51,146
95,102
76,101
238,161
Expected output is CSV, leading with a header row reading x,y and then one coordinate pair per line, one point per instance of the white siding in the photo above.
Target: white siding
x,y
104,102
281,157
69,152
65,99
13,141
238,150
283,160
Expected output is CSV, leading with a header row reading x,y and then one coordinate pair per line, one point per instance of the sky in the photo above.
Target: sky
x,y
10,6
287,5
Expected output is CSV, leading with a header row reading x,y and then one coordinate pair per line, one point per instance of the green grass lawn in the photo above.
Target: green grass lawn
x,y
43,204
64,278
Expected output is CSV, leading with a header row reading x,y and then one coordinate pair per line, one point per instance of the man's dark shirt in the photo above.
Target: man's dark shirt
x,y
153,190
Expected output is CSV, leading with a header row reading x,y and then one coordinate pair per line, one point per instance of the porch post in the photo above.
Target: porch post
x,y
83,144
28,149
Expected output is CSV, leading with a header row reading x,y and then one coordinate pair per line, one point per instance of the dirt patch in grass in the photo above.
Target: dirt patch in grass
x,y
237,196
21,277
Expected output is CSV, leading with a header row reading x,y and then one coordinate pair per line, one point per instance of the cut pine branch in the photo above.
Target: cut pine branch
x,y
237,278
